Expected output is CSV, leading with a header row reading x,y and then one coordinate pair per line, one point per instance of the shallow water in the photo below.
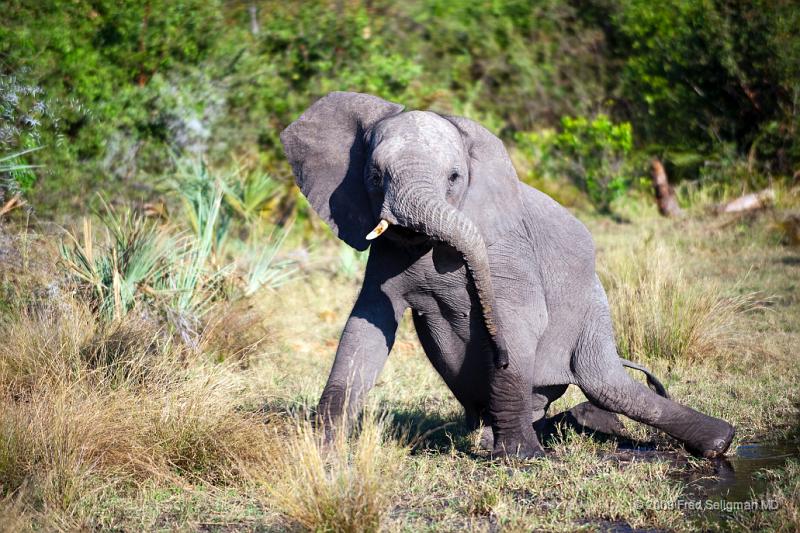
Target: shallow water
x,y
716,489
737,483
738,475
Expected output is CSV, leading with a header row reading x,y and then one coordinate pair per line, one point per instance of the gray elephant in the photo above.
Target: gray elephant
x,y
500,278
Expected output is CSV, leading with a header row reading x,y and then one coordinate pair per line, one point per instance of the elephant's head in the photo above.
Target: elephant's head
x,y
366,166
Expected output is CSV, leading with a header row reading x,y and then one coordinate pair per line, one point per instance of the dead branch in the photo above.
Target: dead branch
x,y
665,195
748,202
12,204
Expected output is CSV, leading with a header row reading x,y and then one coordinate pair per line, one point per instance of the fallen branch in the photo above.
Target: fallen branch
x,y
748,202
12,204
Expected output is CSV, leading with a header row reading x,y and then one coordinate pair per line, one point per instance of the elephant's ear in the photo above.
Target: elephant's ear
x,y
493,199
327,148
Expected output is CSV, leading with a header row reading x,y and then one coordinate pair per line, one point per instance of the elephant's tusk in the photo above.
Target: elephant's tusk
x,y
380,228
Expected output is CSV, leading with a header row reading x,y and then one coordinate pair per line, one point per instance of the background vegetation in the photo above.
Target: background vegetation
x,y
169,307
114,90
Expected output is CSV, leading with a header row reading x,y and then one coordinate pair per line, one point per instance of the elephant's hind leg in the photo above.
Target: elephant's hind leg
x,y
584,418
600,374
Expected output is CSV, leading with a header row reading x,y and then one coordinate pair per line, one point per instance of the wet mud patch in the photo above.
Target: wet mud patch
x,y
616,526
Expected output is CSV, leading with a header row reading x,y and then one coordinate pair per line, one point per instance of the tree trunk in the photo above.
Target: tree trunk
x,y
255,28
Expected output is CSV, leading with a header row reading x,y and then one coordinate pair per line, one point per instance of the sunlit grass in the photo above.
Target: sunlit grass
x,y
660,313
346,485
84,406
121,424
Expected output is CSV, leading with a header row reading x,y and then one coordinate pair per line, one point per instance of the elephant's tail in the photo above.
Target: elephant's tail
x,y
652,381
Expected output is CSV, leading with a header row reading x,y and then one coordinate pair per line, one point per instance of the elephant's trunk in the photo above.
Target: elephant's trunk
x,y
427,214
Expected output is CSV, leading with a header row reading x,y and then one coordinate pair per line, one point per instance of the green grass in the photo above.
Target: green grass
x,y
120,425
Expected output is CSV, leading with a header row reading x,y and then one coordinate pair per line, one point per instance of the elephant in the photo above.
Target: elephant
x,y
499,277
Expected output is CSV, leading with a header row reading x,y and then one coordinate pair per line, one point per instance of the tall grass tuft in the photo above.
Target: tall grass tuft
x,y
261,266
179,271
85,406
658,312
197,278
343,486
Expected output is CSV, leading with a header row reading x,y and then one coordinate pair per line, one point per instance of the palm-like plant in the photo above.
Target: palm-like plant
x,y
135,260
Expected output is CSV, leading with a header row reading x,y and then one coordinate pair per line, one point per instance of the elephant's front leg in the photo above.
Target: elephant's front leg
x,y
511,406
363,349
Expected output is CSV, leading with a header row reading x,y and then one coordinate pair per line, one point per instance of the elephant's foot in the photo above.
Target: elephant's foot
x,y
521,445
518,449
710,439
486,443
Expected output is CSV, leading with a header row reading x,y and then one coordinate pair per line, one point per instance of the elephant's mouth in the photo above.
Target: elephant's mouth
x,y
406,236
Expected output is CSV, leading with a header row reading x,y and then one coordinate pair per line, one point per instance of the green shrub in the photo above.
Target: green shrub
x,y
24,114
695,74
140,81
596,150
593,153
16,176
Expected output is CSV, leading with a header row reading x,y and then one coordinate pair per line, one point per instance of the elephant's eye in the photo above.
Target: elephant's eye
x,y
376,178
454,177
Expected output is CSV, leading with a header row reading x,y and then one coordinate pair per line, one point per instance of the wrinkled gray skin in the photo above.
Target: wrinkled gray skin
x,y
500,278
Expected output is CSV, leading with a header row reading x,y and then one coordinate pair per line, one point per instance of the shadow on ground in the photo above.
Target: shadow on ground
x,y
426,431
434,432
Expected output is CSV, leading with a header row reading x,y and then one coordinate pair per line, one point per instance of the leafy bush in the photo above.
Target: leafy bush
x,y
214,78
188,77
697,73
23,115
593,153
102,56
596,150
15,177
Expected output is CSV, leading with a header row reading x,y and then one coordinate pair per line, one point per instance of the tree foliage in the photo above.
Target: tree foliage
x,y
698,73
698,80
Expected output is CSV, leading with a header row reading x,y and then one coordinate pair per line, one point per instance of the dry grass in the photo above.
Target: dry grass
x,y
347,485
787,495
660,313
84,406
120,425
